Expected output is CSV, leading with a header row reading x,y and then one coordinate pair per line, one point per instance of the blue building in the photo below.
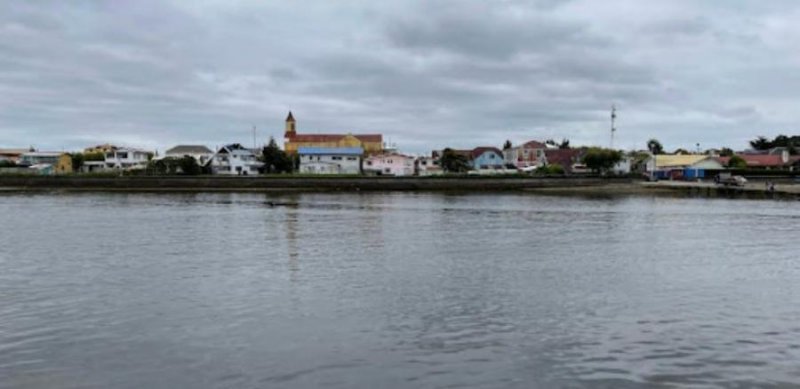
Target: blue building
x,y
487,158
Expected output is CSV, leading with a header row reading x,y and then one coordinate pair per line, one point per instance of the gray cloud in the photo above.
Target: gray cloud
x,y
426,74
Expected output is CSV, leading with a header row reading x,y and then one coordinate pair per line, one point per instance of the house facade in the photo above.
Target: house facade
x,y
330,160
12,155
60,163
391,164
427,166
234,160
126,158
201,154
487,158
370,143
528,154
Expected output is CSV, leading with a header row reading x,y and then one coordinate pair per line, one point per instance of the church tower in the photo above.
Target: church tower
x,y
290,126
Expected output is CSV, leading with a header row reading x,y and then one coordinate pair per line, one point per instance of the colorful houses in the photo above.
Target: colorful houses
x,y
234,160
370,143
47,162
330,160
390,164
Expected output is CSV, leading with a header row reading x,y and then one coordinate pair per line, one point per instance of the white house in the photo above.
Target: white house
x,y
529,154
428,166
390,164
330,160
201,154
234,160
126,158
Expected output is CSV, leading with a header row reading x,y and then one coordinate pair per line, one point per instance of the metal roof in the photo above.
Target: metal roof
x,y
330,150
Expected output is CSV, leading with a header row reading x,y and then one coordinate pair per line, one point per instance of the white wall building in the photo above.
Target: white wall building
x,y
330,160
234,160
126,158
390,164
428,166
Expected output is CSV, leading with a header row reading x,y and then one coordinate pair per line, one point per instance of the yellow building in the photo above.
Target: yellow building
x,y
371,143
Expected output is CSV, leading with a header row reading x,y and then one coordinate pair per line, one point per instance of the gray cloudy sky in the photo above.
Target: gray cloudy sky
x,y
426,74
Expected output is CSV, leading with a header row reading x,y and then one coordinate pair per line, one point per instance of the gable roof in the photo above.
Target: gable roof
x,y
478,151
189,149
756,160
563,157
534,145
668,160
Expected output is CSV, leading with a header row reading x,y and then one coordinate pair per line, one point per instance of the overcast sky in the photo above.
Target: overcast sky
x,y
426,74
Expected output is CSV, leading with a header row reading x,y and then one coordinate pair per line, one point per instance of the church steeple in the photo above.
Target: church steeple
x,y
290,126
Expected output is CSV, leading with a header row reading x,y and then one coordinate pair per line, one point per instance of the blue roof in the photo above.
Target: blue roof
x,y
330,150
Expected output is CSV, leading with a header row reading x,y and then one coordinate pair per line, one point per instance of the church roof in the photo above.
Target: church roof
x,y
311,138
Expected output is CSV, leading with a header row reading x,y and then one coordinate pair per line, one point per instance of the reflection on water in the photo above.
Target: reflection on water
x,y
396,290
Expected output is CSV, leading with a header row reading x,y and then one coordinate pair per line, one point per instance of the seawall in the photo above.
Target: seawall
x,y
233,184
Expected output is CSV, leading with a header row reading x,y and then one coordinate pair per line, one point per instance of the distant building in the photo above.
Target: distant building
x,y
123,158
60,163
370,143
487,158
690,166
330,160
566,158
12,155
234,160
391,164
104,148
526,155
428,166
201,154
779,160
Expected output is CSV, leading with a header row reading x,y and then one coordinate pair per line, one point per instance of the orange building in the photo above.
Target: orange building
x,y
371,143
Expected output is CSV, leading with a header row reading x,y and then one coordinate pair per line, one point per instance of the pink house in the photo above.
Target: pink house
x,y
391,164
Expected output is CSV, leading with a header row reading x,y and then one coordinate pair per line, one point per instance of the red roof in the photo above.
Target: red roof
x,y
534,145
478,151
563,157
754,160
318,138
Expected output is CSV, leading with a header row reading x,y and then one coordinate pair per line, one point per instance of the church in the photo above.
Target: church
x,y
370,143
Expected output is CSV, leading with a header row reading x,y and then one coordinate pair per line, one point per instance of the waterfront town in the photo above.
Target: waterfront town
x,y
369,155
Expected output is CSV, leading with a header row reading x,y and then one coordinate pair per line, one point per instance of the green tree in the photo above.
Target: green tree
x,y
7,163
564,144
655,146
77,161
725,152
188,166
681,152
550,170
275,160
761,143
601,160
453,162
507,145
737,162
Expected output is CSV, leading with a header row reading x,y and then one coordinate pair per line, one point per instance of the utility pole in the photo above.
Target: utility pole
x,y
613,123
254,136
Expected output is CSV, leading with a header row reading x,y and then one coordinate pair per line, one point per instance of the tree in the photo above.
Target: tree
x,y
77,161
188,166
564,144
655,146
601,160
507,145
550,170
726,152
681,152
275,160
7,163
453,162
761,143
737,162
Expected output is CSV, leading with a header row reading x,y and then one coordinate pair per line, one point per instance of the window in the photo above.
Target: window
x,y
351,158
369,163
336,158
122,155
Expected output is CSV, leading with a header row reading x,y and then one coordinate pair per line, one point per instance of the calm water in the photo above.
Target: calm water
x,y
397,290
